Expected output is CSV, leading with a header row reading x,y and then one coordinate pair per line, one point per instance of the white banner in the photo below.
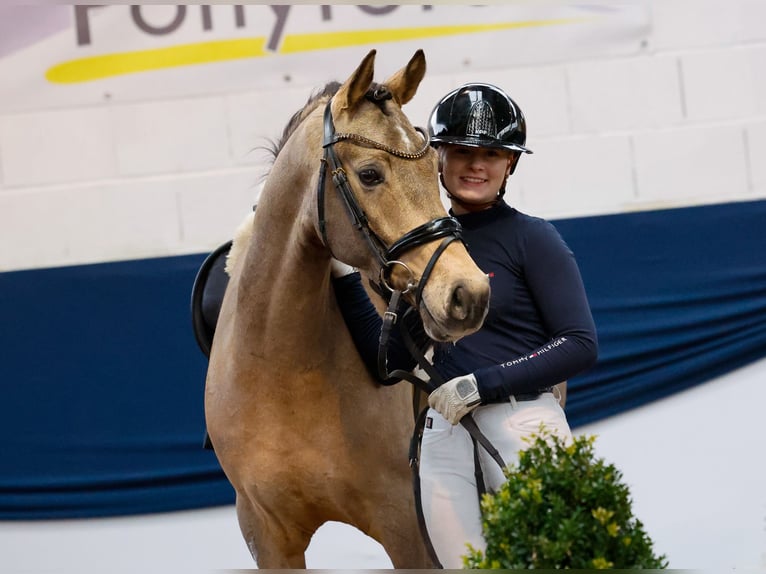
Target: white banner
x,y
58,56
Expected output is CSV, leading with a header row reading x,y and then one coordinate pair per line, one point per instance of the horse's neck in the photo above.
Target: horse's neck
x,y
282,263
283,281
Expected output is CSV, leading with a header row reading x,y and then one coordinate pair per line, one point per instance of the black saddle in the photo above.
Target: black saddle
x,y
207,295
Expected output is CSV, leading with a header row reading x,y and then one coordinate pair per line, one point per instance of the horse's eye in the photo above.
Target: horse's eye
x,y
370,176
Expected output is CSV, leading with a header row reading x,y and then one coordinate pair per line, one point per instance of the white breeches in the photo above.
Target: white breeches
x,y
448,485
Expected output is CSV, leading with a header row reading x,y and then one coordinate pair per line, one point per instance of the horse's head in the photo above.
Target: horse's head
x,y
381,171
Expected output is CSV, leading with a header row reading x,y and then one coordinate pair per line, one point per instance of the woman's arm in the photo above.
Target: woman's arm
x,y
364,323
554,279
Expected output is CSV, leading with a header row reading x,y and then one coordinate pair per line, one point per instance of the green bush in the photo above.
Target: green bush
x,y
560,507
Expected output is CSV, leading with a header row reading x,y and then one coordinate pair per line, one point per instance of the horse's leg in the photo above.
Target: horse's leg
x,y
394,519
271,544
403,542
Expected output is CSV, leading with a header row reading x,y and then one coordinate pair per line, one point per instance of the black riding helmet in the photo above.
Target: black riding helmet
x,y
478,115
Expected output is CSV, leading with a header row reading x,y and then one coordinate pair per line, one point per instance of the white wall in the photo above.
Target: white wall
x,y
695,467
682,121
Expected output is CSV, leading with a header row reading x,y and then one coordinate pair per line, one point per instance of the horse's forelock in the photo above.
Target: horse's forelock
x,y
379,94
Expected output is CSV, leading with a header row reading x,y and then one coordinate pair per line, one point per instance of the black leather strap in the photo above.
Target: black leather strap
x,y
434,229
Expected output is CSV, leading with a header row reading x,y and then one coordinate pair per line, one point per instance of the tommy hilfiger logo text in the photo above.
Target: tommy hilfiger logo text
x,y
548,347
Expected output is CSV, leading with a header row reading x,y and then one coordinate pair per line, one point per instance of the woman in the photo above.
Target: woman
x,y
539,330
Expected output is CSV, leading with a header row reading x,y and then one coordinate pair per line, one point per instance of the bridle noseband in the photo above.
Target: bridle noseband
x,y
441,227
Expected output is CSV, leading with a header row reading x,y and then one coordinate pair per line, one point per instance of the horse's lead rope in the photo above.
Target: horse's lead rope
x,y
435,380
390,318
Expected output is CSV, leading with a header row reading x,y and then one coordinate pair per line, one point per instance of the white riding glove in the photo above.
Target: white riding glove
x,y
340,269
456,398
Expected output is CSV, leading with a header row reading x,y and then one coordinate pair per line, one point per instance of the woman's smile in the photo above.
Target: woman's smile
x,y
474,176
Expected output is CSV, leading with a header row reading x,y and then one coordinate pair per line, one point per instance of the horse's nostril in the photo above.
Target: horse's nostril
x,y
468,305
459,310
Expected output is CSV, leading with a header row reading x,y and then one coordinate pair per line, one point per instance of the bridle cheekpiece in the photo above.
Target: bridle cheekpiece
x,y
441,227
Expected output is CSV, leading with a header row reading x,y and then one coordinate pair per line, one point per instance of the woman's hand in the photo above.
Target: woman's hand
x,y
456,398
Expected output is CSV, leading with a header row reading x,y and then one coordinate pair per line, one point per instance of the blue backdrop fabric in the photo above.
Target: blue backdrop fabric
x,y
102,384
678,296
102,380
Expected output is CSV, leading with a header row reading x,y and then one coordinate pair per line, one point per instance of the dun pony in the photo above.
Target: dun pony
x,y
302,432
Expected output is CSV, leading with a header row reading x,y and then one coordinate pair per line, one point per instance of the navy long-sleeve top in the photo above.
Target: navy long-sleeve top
x,y
539,330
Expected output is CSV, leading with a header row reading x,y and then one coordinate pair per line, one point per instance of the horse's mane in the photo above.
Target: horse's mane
x,y
245,229
319,96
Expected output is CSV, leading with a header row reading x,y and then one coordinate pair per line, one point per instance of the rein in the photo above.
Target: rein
x,y
427,386
434,381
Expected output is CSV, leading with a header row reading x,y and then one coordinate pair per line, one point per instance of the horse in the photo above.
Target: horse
x,y
300,429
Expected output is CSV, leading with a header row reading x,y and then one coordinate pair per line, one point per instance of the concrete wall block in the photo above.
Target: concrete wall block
x,y
620,94
753,15
56,147
574,176
720,84
257,118
171,136
682,24
756,144
129,220
99,222
757,57
691,164
542,95
212,207
32,230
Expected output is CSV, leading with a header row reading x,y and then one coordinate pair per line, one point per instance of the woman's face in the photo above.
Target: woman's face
x,y
474,175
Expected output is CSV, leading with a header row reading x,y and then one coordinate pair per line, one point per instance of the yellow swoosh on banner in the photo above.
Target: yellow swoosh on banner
x,y
107,65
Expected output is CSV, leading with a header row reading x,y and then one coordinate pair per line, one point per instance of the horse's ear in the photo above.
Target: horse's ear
x,y
404,83
354,89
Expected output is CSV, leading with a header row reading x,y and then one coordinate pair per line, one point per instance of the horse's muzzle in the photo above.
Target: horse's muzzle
x,y
457,311
469,306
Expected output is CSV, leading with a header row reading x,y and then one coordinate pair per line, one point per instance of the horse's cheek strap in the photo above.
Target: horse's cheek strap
x,y
389,320
320,204
431,263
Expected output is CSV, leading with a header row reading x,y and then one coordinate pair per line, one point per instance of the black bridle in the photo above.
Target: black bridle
x,y
447,228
